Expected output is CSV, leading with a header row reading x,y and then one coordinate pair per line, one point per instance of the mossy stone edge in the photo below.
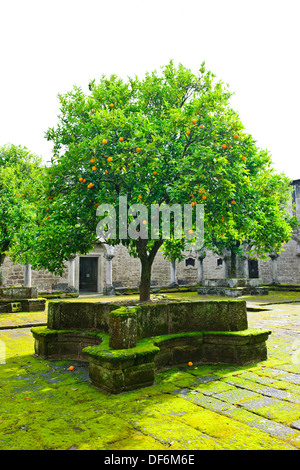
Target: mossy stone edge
x,y
119,370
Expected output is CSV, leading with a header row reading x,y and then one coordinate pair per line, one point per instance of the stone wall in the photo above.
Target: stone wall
x,y
126,270
288,266
14,275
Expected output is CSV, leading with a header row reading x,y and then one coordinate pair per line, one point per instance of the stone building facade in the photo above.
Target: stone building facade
x,y
101,268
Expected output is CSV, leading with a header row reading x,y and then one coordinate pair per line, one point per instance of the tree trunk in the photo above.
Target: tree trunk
x,y
233,264
145,280
146,263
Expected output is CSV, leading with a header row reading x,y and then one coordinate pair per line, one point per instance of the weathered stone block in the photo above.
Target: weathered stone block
x,y
232,282
178,349
121,370
233,292
16,293
123,328
152,320
33,305
111,380
242,348
212,316
79,315
138,376
10,307
56,345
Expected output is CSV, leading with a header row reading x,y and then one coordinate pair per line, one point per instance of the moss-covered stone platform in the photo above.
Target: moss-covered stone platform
x,y
126,344
232,287
20,299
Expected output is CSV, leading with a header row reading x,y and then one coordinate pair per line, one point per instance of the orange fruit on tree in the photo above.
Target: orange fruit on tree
x,y
232,202
188,132
235,136
204,197
109,159
121,139
71,368
138,149
224,146
190,364
155,172
140,197
92,160
84,180
104,141
106,171
80,179
94,168
111,105
194,121
244,159
201,127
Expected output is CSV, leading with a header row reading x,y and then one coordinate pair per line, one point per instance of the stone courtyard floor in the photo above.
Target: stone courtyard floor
x,y
45,406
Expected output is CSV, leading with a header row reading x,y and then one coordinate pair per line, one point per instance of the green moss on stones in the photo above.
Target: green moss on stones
x,y
143,348
162,339
124,311
47,332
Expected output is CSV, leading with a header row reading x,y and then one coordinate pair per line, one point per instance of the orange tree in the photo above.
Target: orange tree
x,y
169,138
258,217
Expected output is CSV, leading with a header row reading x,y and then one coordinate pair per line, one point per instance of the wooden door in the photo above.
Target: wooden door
x,y
88,274
253,268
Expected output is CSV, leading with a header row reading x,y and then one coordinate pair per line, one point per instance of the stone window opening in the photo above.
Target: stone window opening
x,y
190,263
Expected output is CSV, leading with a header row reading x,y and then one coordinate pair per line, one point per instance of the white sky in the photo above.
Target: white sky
x,y
46,47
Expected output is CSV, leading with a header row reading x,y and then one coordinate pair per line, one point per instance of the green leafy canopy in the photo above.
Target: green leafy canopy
x,y
21,176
